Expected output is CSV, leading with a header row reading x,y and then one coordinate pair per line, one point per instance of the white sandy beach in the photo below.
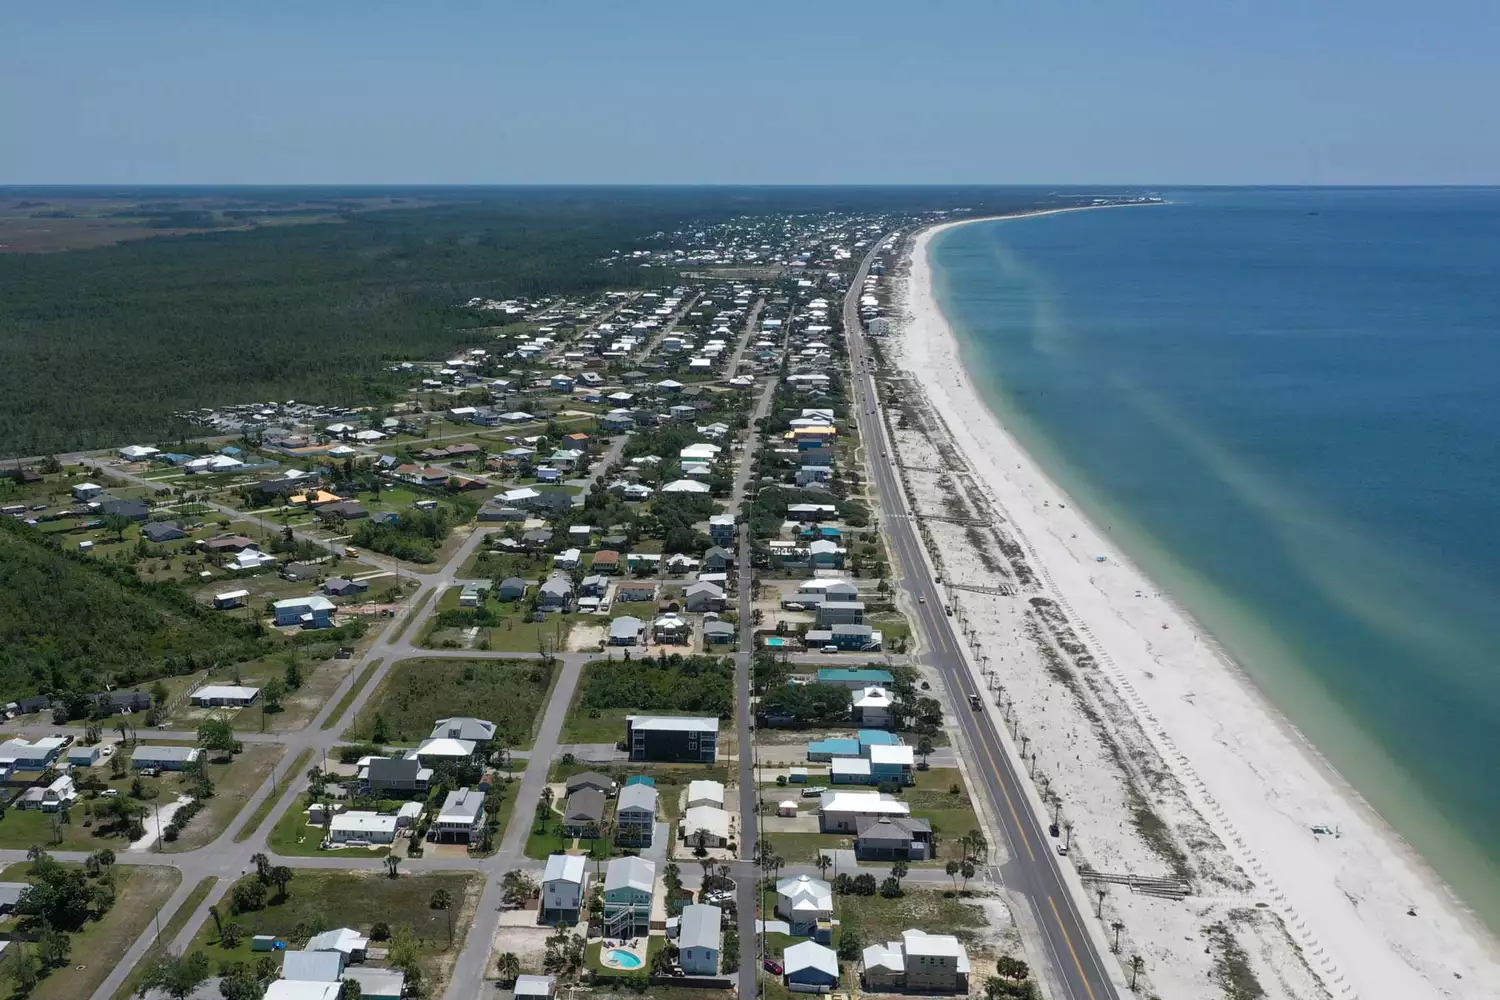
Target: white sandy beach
x,y
1247,789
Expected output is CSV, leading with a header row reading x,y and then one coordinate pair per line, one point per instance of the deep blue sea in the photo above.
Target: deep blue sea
x,y
1286,405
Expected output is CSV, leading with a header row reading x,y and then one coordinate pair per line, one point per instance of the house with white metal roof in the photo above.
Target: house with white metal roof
x,y
699,939
214,695
461,817
562,888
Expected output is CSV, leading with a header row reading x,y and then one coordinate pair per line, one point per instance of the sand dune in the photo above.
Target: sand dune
x,y
1156,717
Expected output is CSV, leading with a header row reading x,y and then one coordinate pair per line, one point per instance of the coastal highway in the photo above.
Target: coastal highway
x,y
1032,871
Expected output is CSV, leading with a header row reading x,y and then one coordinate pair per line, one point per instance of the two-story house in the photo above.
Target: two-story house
x,y
635,816
629,883
394,777
919,962
562,888
461,817
699,939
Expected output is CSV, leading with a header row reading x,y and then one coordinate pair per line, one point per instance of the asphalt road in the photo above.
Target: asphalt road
x,y
745,874
1032,871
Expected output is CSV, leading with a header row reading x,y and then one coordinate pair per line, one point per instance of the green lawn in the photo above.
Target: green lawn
x,y
294,838
416,693
358,899
644,610
803,848
890,624
25,828
101,944
22,829
264,809
514,634
493,564
598,725
541,844
951,813
880,919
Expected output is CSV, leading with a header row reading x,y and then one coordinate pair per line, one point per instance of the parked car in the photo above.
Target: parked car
x,y
772,966
814,792
830,649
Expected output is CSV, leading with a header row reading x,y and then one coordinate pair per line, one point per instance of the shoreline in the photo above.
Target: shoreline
x,y
1185,690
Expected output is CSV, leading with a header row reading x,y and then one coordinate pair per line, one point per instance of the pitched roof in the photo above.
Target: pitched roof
x,y
700,927
631,872
590,779
312,966
564,867
810,955
585,805
637,796
464,727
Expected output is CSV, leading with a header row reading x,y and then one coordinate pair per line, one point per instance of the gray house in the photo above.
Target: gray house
x,y
164,758
625,631
394,776
602,783
162,531
635,816
134,510
892,838
512,588
556,594
583,815
715,633
717,559
703,596
340,587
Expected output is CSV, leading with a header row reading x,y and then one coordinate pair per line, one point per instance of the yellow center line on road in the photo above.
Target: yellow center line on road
x,y
1009,804
1082,977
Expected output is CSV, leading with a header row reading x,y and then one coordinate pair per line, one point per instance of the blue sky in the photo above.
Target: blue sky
x,y
991,91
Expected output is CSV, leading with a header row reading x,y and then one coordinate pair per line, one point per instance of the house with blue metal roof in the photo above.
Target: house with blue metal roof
x,y
854,678
826,750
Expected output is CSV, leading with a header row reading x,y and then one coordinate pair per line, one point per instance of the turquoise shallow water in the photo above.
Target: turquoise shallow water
x,y
1283,404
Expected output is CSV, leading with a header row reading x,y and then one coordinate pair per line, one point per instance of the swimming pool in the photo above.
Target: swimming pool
x,y
622,959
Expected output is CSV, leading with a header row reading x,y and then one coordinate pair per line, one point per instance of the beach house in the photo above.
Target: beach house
x,y
629,884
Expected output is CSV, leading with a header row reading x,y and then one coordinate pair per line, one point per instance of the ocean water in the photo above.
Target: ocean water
x,y
1285,406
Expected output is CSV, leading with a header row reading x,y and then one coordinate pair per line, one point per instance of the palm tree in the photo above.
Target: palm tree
x,y
1117,927
824,863
213,911
952,868
899,871
391,864
1012,968
978,845
967,869
1099,912
509,967
262,865
1136,964
281,877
